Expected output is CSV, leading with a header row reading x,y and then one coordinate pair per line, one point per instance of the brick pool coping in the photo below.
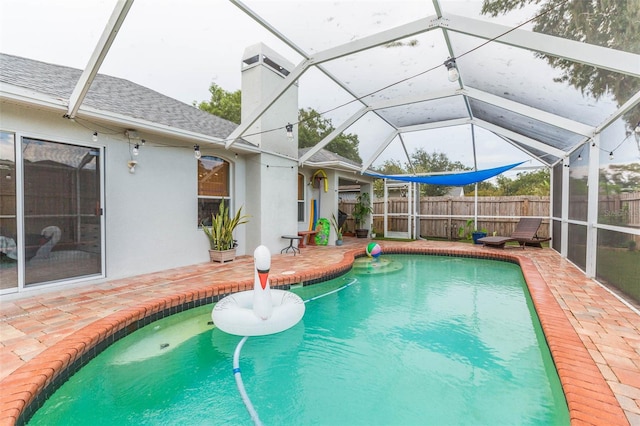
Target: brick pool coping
x,y
589,398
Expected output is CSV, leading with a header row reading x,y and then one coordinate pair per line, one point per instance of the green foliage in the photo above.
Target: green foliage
x,y
338,229
618,178
423,162
220,233
312,128
526,183
468,229
612,24
362,208
389,167
223,104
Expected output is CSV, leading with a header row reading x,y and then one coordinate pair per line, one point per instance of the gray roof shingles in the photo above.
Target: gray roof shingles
x,y
111,94
117,95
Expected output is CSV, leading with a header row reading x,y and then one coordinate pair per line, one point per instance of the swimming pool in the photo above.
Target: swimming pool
x,y
439,342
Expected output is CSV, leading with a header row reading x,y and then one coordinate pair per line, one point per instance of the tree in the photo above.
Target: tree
x,y
618,178
389,167
613,24
223,104
423,162
526,183
312,128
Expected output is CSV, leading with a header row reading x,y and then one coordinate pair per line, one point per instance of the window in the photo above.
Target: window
x,y
301,198
213,187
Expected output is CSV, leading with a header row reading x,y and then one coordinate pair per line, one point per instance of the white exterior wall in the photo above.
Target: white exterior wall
x,y
259,83
328,201
272,201
271,180
150,217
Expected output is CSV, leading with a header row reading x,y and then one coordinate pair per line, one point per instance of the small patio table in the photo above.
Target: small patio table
x,y
291,247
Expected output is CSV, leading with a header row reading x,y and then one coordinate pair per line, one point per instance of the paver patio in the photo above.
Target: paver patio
x,y
593,336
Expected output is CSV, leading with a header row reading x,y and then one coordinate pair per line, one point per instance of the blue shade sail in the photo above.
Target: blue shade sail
x,y
454,179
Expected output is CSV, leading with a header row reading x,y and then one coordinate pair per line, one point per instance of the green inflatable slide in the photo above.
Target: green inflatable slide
x,y
322,237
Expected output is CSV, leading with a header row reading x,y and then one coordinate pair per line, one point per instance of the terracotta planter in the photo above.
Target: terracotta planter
x,y
222,255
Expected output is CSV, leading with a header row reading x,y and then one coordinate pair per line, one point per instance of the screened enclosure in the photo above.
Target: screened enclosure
x,y
554,83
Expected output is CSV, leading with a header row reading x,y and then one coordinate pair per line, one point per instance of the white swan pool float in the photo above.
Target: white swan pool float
x,y
260,311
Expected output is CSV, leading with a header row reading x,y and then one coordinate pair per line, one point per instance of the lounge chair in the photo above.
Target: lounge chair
x,y
526,233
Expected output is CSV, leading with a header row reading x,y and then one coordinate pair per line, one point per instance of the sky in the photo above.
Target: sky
x,y
179,48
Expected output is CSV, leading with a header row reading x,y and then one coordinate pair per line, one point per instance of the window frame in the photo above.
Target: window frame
x,y
217,198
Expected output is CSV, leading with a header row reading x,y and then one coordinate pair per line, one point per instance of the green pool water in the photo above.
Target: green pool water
x,y
440,341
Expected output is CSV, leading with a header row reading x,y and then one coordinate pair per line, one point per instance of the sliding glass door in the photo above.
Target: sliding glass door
x,y
8,214
62,211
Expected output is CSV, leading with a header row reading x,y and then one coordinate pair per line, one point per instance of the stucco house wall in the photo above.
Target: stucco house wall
x,y
150,217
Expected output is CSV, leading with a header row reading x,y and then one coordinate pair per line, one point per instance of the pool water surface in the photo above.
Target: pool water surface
x,y
441,340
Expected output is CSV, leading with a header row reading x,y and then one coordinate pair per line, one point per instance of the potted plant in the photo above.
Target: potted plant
x,y
220,234
337,228
346,232
361,210
469,232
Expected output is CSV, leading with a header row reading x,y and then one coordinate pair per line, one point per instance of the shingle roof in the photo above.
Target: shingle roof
x,y
324,156
117,95
111,94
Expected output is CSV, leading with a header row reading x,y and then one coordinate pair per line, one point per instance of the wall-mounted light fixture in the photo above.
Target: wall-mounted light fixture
x,y
136,149
452,69
131,134
196,152
94,137
289,128
132,166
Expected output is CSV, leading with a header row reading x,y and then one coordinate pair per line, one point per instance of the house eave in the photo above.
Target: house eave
x,y
335,165
30,98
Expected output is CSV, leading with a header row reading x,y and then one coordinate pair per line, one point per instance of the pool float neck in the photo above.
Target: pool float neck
x,y
262,305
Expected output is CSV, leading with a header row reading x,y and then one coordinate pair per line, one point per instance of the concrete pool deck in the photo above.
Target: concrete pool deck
x,y
593,336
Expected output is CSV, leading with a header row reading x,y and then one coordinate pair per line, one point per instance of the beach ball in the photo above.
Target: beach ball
x,y
373,250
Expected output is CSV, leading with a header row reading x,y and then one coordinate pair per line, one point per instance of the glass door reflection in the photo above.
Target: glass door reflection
x,y
62,211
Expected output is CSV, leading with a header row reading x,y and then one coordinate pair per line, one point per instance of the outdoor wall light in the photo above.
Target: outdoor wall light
x,y
452,69
289,128
94,137
136,149
611,155
132,166
196,152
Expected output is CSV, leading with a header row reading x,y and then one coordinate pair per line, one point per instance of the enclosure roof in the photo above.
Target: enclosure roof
x,y
514,82
542,79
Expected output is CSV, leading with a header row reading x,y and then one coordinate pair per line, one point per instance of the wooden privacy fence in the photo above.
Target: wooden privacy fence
x,y
442,217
